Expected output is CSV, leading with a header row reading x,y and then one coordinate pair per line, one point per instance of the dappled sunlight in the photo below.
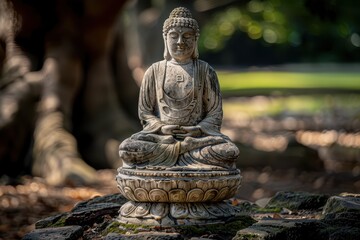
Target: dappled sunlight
x,y
296,125
328,138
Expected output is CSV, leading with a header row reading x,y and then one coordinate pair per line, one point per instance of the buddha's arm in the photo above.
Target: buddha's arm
x,y
212,103
147,103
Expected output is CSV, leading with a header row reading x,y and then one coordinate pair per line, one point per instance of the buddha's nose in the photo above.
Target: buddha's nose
x,y
180,40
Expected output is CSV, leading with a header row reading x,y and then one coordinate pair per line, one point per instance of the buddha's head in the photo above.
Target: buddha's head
x,y
180,32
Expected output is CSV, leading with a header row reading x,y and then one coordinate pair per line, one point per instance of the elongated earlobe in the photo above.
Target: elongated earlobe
x,y
167,55
195,54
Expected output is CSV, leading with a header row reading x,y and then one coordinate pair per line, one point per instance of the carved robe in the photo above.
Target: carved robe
x,y
201,107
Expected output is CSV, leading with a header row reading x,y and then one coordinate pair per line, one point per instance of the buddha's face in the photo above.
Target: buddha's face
x,y
181,42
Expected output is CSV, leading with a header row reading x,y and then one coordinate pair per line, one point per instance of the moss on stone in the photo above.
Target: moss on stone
x,y
249,237
60,223
122,228
113,227
226,231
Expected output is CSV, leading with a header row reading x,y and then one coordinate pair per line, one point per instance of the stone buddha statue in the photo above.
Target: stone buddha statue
x,y
180,108
180,168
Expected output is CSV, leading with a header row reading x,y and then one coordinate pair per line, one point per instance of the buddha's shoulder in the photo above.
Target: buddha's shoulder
x,y
158,64
161,64
205,65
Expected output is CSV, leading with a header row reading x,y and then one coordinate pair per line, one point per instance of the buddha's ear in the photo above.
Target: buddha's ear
x,y
195,54
167,55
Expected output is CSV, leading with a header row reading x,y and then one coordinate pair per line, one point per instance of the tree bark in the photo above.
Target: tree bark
x,y
80,119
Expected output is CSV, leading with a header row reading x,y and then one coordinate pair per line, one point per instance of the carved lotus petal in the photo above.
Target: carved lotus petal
x,y
232,192
158,195
198,211
147,185
179,210
210,195
159,210
129,194
121,190
226,208
165,185
195,195
131,183
128,208
153,185
216,184
204,185
238,181
142,209
222,194
223,183
174,184
192,184
141,195
213,210
184,185
177,195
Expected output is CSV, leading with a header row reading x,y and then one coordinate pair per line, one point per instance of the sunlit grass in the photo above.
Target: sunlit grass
x,y
297,104
238,81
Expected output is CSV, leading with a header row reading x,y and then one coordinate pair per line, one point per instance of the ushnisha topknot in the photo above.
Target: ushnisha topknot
x,y
182,17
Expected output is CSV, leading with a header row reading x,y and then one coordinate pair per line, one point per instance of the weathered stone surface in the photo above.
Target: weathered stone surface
x,y
297,200
92,213
340,224
180,158
52,221
145,236
57,233
93,210
112,198
342,214
338,204
282,229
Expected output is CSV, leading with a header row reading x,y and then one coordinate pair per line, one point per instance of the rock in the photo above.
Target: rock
x,y
112,198
92,213
93,210
145,236
282,229
86,212
340,221
57,233
342,214
297,201
338,204
52,221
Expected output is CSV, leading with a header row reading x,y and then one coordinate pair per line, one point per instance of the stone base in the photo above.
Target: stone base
x,y
174,214
178,186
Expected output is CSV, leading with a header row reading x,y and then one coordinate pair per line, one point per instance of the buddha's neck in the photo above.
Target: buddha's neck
x,y
185,62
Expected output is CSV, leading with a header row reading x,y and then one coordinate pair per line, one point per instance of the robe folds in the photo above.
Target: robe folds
x,y
202,108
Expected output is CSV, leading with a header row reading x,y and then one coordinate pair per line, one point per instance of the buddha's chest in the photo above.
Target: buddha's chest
x,y
178,81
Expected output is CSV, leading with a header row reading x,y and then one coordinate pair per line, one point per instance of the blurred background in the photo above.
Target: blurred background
x,y
70,72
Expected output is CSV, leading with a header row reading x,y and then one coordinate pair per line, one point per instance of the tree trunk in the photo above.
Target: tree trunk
x,y
70,96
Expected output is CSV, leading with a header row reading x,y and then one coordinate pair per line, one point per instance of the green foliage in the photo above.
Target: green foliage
x,y
330,27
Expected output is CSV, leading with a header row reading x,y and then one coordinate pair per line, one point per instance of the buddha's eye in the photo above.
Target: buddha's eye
x,y
188,35
174,35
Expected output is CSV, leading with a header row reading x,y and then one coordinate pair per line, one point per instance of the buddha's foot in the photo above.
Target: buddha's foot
x,y
191,143
156,138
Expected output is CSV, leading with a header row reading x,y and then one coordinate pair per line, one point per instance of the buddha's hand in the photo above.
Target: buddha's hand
x,y
170,129
190,131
